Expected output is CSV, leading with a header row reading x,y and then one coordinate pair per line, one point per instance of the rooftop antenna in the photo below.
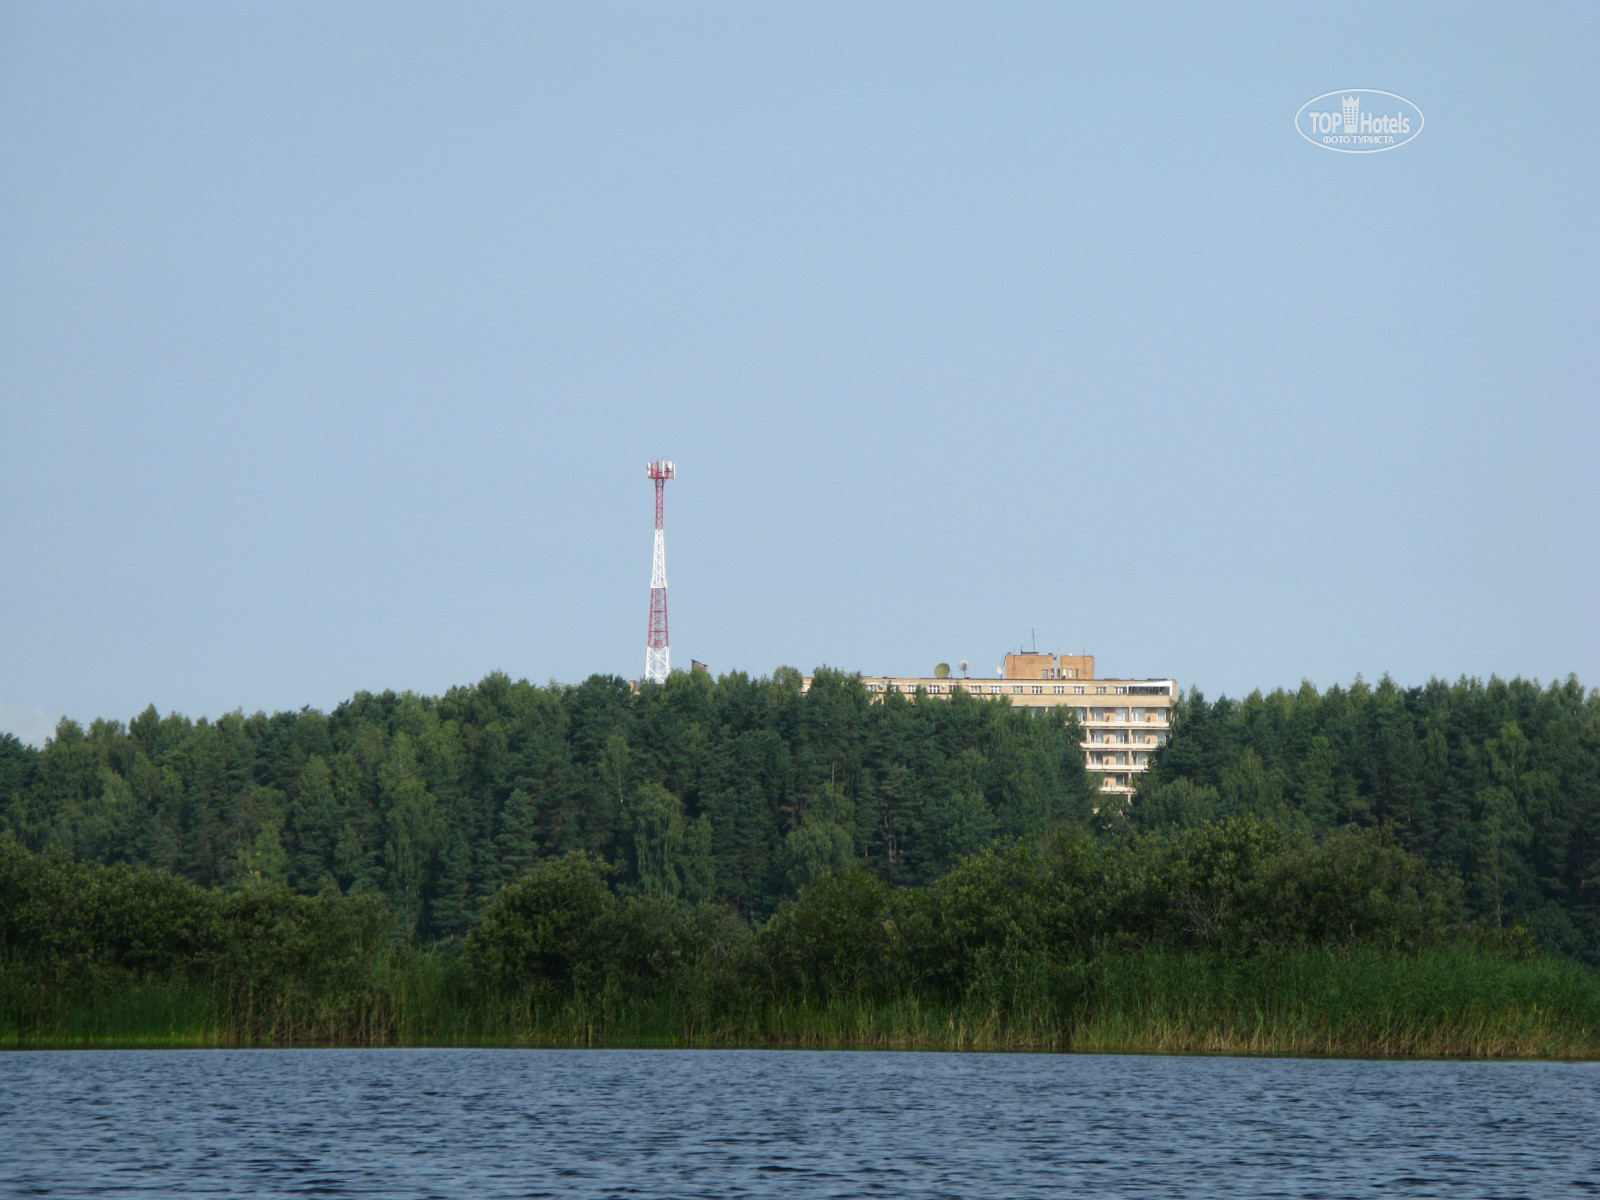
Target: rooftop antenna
x,y
1034,634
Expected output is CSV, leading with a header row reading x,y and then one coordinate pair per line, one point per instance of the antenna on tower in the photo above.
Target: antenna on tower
x,y
657,654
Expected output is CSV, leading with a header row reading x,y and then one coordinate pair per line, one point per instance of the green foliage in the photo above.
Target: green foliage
x,y
736,791
1231,937
837,938
540,932
1358,870
742,791
815,848
656,829
68,930
824,840
1440,1001
1496,783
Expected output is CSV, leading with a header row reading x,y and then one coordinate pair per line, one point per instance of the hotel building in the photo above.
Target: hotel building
x,y
1123,720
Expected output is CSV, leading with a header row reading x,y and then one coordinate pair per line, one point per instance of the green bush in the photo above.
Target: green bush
x,y
837,937
1238,936
543,931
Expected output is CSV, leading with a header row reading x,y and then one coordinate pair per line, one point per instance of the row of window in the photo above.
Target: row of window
x,y
1121,739
1136,716
995,689
1118,759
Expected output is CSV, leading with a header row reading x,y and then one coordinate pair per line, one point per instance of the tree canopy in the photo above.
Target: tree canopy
x,y
742,791
736,790
1497,783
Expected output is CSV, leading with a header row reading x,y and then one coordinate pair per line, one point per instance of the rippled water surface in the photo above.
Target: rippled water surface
x,y
492,1123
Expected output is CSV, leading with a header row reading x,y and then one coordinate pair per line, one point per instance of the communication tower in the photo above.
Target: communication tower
x,y
657,655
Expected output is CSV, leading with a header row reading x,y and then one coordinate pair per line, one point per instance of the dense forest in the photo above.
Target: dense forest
x,y
1494,784
737,791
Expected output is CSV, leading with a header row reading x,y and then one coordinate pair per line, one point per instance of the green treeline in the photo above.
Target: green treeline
x,y
1496,784
1236,935
734,791
739,790
1371,869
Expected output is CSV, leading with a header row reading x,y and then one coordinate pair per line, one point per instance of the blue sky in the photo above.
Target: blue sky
x,y
334,339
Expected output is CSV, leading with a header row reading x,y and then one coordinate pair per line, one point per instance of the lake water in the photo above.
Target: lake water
x,y
638,1123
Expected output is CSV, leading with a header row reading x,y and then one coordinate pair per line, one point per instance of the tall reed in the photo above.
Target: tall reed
x,y
1449,1001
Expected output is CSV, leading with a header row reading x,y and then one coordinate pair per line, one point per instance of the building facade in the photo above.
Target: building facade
x,y
1123,720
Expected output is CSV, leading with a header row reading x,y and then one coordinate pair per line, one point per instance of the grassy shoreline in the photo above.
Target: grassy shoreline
x,y
1233,938
1448,1002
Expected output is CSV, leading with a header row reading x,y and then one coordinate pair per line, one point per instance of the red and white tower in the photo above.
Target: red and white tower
x,y
657,655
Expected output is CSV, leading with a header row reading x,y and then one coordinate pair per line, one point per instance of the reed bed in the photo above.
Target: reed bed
x,y
1442,1002
1219,940
1447,1002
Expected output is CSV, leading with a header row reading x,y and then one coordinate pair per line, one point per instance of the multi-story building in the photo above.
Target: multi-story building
x,y
1123,720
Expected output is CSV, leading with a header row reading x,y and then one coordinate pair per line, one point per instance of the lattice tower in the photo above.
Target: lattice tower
x,y
657,654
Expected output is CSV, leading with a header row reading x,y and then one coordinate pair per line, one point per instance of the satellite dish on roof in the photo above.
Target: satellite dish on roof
x,y
942,671
963,665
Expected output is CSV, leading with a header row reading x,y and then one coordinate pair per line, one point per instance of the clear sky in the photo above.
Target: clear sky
x,y
334,339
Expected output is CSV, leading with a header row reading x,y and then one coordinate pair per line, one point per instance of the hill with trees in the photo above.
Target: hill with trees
x,y
739,791
736,791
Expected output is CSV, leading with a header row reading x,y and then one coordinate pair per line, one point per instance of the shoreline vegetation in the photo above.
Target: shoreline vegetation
x,y
1434,1006
1229,939
1371,870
